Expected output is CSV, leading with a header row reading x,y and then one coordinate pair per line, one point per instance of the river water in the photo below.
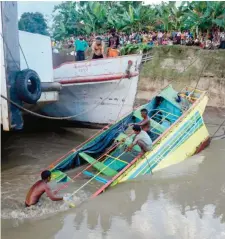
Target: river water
x,y
186,200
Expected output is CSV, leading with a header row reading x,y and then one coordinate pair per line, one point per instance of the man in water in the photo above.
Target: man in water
x,y
141,139
80,46
98,48
39,188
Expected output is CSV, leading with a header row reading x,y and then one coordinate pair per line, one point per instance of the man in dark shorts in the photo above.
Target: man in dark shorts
x,y
39,188
114,40
80,47
145,123
98,48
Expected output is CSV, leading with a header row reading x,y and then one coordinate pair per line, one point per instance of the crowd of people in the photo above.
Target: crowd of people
x,y
108,44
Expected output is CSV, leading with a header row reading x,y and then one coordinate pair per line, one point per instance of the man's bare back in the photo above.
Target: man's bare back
x,y
39,188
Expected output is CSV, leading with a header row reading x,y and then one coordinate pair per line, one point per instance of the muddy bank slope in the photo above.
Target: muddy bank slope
x,y
184,66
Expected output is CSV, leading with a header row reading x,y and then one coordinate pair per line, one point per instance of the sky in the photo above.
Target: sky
x,y
43,7
46,7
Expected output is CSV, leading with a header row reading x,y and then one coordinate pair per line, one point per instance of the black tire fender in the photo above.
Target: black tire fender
x,y
28,86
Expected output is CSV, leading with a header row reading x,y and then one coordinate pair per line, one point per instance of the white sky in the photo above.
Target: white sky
x,y
44,7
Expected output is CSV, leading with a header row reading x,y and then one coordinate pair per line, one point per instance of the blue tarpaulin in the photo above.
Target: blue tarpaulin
x,y
96,146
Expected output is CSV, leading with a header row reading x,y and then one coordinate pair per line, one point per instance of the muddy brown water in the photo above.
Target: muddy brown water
x,y
186,200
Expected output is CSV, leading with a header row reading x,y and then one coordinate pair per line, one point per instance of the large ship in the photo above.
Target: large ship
x,y
96,91
93,91
26,70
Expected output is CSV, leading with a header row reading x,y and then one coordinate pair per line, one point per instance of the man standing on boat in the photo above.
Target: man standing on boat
x,y
114,42
39,188
98,48
80,46
141,139
145,123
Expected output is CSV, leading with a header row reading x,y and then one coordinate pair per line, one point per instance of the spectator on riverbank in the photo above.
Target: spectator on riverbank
x,y
214,39
98,48
114,43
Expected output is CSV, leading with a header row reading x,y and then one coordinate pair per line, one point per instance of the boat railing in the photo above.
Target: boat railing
x,y
116,158
95,175
192,92
180,135
177,140
162,116
166,112
186,131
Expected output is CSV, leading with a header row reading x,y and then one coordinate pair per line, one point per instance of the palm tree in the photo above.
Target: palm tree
x,y
99,17
202,16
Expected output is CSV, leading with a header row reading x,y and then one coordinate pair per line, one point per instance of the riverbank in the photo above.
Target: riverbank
x,y
184,66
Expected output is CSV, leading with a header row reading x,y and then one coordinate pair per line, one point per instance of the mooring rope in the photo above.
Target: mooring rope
x,y
61,118
213,136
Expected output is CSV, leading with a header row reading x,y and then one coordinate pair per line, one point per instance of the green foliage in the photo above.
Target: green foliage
x,y
135,48
34,23
74,18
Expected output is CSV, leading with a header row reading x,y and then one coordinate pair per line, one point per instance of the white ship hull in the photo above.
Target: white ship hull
x,y
97,91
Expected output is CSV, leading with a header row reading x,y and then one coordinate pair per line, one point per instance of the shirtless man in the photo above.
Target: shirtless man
x,y
98,48
145,123
39,188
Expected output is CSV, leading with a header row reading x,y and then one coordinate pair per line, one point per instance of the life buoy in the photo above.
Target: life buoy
x,y
28,86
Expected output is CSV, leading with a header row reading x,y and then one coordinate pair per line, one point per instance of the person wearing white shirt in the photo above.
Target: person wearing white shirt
x,y
141,139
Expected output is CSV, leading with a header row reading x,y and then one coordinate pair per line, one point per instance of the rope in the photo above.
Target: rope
x,y
213,136
24,56
203,68
59,118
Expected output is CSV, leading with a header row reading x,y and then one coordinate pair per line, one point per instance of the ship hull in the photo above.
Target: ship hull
x,y
98,91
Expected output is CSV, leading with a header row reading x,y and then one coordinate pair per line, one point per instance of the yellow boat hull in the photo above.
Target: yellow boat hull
x,y
183,139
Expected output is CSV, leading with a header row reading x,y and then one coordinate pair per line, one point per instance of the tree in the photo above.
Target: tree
x,y
86,17
34,23
203,16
